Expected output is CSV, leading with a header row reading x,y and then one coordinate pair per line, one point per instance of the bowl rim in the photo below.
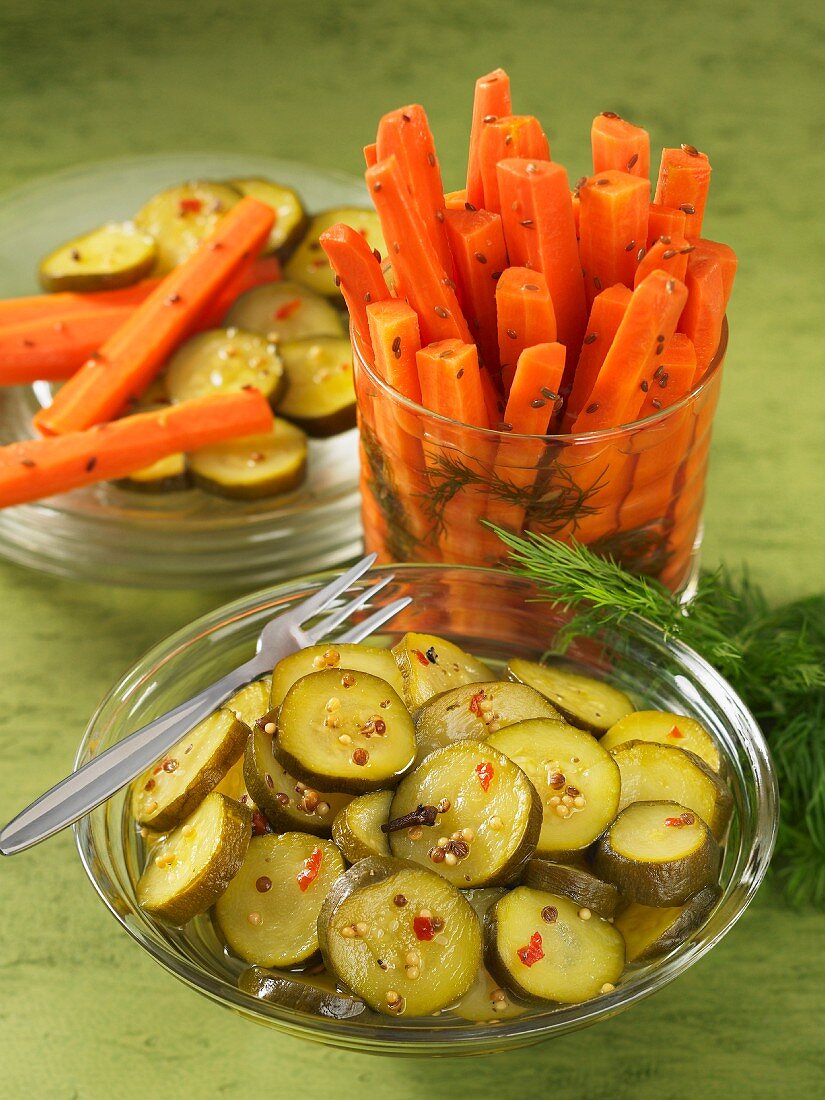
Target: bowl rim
x,y
422,1037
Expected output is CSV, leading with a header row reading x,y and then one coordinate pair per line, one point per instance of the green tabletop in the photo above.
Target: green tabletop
x,y
84,1013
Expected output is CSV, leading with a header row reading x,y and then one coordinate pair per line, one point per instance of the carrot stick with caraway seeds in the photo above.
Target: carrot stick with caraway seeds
x,y
476,239
510,137
705,309
664,221
605,317
38,468
684,182
668,254
612,229
524,314
620,145
126,364
491,101
358,271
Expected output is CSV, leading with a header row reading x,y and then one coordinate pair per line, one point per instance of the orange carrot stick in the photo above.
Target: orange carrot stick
x,y
479,256
38,468
55,348
672,379
426,285
504,138
618,144
664,221
450,382
370,154
605,317
649,320
684,182
491,101
613,229
540,232
524,314
726,258
132,356
406,134
705,310
456,200
669,254
358,272
493,398
534,394
393,331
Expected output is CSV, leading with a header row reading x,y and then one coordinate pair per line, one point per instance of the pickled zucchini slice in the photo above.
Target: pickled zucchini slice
x,y
285,311
487,816
319,394
224,361
344,731
545,947
269,913
287,802
248,704
180,217
661,772
575,883
309,265
316,994
357,828
658,853
290,216
357,658
577,781
652,932
171,789
115,255
255,466
190,869
474,711
400,937
665,728
485,1000
430,665
584,701
167,475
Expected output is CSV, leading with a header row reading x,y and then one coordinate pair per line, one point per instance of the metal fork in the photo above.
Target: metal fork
x,y
98,779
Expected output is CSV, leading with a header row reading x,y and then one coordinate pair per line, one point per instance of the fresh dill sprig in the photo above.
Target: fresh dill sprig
x,y
774,658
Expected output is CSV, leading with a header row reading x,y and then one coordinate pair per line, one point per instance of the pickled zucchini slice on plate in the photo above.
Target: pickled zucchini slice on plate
x,y
248,704
254,466
653,771
167,475
575,883
340,730
290,216
190,869
485,1000
545,947
268,915
664,728
171,789
224,360
319,394
316,994
180,217
652,932
430,665
486,815
357,828
309,265
115,255
285,311
357,658
578,782
287,802
474,711
658,853
400,937
584,701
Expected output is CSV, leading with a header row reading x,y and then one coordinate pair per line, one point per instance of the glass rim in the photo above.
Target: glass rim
x,y
423,1037
576,438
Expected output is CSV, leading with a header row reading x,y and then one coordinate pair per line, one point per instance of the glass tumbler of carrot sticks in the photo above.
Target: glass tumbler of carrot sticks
x,y
529,357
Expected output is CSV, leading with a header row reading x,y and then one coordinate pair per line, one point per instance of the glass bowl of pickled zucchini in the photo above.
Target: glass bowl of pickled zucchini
x,y
443,841
239,514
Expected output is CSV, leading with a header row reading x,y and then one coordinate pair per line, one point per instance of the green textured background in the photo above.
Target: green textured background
x,y
82,1012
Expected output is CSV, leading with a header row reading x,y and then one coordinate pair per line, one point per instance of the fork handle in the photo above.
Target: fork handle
x,y
83,790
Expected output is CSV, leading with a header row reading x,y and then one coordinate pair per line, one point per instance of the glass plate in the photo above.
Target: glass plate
x,y
175,540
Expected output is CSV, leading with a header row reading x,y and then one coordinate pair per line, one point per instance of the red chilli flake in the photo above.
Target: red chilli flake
x,y
485,773
533,952
312,865
422,660
675,732
423,928
475,703
287,309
